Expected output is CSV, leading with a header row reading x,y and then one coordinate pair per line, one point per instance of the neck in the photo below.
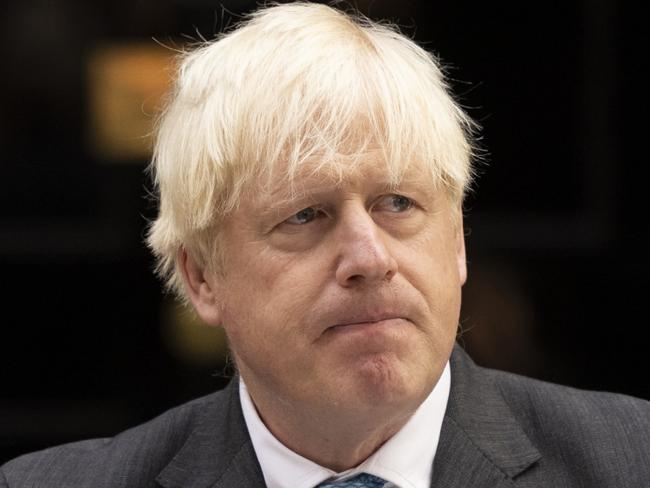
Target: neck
x,y
338,440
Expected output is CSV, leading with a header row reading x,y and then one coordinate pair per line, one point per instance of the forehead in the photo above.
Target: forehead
x,y
362,172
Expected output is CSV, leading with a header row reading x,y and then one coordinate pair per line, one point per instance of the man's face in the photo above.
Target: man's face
x,y
342,296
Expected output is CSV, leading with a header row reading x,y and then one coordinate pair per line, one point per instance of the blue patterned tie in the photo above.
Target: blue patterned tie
x,y
364,480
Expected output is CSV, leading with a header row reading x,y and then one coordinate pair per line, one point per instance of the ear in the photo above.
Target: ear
x,y
461,259
202,290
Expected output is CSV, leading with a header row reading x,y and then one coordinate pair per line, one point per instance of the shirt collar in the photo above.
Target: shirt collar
x,y
405,460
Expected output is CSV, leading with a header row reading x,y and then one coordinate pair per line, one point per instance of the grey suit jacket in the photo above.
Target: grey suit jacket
x,y
500,430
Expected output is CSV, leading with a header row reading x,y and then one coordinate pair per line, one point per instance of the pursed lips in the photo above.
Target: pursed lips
x,y
372,316
367,320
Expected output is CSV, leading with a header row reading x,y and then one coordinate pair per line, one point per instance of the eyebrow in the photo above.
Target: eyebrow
x,y
281,200
313,188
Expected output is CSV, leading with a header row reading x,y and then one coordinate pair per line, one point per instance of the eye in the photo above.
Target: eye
x,y
305,216
394,203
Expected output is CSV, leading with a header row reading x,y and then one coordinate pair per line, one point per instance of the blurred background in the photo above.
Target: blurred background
x,y
556,228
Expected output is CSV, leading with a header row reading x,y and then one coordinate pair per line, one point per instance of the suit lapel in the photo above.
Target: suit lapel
x,y
218,452
481,443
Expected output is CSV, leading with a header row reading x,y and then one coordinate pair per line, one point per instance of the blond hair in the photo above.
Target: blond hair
x,y
294,83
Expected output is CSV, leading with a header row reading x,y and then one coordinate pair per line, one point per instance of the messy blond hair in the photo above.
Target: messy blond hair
x,y
294,83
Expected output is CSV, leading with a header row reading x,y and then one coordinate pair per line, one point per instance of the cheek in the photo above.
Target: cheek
x,y
432,256
289,276
268,298
429,263
253,271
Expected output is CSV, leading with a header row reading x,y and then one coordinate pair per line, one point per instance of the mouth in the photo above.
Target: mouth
x,y
369,325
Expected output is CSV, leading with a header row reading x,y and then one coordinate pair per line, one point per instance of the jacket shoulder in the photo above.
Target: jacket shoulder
x,y
131,458
596,432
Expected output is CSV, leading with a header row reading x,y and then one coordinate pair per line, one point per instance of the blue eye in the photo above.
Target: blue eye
x,y
395,203
305,216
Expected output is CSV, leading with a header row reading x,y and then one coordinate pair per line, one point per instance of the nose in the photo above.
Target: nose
x,y
364,257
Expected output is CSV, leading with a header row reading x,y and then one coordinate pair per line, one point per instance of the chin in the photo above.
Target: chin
x,y
384,380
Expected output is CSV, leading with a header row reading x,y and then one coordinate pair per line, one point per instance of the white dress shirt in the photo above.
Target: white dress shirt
x,y
404,461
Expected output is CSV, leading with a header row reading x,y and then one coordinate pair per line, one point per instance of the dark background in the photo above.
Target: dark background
x,y
556,226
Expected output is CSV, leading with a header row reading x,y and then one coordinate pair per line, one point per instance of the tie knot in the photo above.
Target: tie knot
x,y
363,480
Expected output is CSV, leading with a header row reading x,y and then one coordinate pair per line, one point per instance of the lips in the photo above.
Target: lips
x,y
375,335
367,319
368,324
349,312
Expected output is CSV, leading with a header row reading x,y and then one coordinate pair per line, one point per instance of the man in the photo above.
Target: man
x,y
311,169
